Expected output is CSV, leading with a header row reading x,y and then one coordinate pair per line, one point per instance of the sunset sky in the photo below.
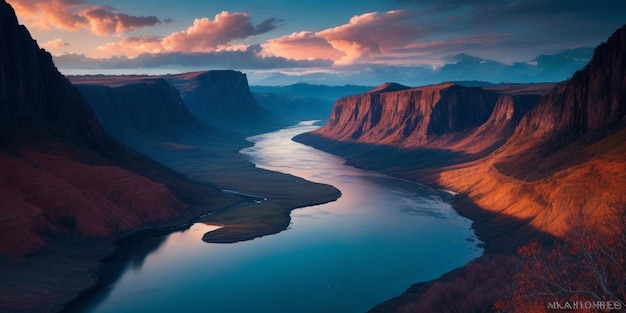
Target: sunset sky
x,y
334,42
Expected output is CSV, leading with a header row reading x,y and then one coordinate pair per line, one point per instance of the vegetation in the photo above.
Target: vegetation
x,y
586,271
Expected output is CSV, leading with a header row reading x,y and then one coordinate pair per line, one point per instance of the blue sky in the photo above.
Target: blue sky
x,y
413,42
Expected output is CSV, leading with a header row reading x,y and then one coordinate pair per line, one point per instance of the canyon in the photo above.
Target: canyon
x,y
524,161
69,187
87,160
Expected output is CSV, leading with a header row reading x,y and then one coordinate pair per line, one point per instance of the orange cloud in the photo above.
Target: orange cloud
x,y
302,46
54,44
131,47
205,35
73,15
365,36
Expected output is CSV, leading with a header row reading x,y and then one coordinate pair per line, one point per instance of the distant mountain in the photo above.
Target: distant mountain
x,y
302,101
295,109
303,90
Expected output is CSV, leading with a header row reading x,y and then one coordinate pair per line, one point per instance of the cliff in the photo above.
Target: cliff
x,y
537,158
471,121
139,112
566,157
560,157
63,180
32,90
223,99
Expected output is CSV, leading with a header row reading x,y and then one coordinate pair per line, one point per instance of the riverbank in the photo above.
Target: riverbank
x,y
481,282
67,266
478,284
334,250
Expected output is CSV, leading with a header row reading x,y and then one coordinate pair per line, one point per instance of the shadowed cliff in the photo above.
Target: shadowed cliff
x,y
223,99
67,188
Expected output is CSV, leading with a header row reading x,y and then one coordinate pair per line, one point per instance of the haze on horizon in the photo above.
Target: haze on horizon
x,y
367,42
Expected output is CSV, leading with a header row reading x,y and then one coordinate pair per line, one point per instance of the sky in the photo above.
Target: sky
x,y
280,42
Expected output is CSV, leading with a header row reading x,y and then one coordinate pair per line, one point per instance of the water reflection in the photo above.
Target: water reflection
x,y
380,237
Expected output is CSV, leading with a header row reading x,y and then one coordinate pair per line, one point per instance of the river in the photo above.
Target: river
x,y
381,236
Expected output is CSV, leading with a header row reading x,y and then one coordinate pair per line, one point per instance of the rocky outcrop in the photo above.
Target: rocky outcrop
x,y
388,87
471,120
223,99
62,171
563,161
593,99
32,89
136,110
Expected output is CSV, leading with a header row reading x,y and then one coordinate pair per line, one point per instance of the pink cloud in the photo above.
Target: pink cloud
x,y
74,15
207,35
302,46
364,36
54,44
131,47
204,35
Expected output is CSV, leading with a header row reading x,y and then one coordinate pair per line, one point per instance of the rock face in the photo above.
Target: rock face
x,y
63,180
32,88
593,99
436,116
57,172
223,99
561,156
138,109
539,159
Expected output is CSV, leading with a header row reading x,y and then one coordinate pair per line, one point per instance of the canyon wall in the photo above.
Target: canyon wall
x,y
64,181
540,158
223,99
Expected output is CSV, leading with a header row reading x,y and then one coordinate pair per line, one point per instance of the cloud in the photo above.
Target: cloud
x,y
131,47
74,15
364,37
54,44
554,24
208,35
250,58
204,35
302,46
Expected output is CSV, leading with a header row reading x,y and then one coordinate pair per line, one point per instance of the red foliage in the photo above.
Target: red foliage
x,y
473,289
589,266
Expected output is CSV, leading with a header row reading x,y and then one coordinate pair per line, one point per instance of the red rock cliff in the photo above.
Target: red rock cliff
x,y
444,115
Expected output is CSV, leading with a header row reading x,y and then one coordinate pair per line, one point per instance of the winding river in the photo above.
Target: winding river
x,y
381,236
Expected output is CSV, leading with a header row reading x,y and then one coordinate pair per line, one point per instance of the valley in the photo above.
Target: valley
x,y
130,192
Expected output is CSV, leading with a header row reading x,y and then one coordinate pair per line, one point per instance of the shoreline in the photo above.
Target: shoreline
x,y
172,227
499,255
500,235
